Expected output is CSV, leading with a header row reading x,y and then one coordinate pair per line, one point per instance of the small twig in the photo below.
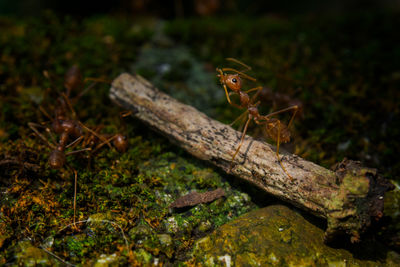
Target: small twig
x,y
26,165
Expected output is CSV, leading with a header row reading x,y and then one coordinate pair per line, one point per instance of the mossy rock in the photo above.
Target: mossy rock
x,y
29,255
275,235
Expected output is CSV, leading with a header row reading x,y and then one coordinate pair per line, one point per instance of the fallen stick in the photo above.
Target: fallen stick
x,y
350,198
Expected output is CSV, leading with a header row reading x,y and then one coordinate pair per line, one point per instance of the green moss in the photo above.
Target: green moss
x,y
271,236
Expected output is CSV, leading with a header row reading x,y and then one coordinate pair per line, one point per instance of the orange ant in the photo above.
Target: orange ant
x,y
274,128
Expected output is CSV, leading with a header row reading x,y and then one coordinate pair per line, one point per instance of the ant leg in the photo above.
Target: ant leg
x,y
239,118
229,99
97,80
295,108
239,62
254,97
78,151
45,113
258,88
88,137
75,142
76,98
124,114
241,141
122,122
107,141
294,114
69,105
277,152
95,134
240,73
33,126
46,128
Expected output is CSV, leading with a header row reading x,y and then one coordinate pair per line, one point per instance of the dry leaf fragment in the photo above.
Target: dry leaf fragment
x,y
195,198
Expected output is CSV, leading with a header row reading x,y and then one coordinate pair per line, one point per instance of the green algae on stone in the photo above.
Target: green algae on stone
x,y
107,260
392,211
29,255
353,206
271,236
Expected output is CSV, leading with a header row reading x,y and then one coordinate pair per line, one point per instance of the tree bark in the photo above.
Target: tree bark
x,y
349,198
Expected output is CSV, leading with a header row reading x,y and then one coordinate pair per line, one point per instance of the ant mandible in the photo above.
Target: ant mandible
x,y
274,128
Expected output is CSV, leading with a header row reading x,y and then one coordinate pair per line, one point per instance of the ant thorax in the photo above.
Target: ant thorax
x,y
244,99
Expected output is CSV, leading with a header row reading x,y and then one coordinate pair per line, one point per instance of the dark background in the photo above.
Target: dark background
x,y
179,8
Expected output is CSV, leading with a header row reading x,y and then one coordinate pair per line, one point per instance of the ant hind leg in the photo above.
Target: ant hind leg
x,y
241,142
277,152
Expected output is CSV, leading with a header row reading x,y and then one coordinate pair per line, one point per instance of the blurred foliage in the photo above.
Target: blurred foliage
x,y
176,71
345,71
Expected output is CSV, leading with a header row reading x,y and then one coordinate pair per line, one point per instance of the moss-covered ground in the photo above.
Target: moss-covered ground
x,y
344,71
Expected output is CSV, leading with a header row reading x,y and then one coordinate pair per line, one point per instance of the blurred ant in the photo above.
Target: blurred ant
x,y
118,140
67,129
57,159
66,124
273,127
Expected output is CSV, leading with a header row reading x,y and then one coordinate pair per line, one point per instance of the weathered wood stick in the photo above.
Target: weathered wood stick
x,y
349,198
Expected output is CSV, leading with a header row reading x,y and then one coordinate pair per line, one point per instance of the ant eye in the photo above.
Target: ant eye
x,y
234,80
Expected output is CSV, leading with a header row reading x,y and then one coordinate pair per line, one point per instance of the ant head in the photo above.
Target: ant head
x,y
121,143
56,159
233,81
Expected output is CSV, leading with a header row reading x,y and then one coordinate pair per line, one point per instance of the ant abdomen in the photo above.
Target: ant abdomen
x,y
57,159
275,128
121,143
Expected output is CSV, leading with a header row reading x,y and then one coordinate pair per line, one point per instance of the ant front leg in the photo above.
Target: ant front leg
x,y
258,89
254,97
229,99
104,140
34,127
